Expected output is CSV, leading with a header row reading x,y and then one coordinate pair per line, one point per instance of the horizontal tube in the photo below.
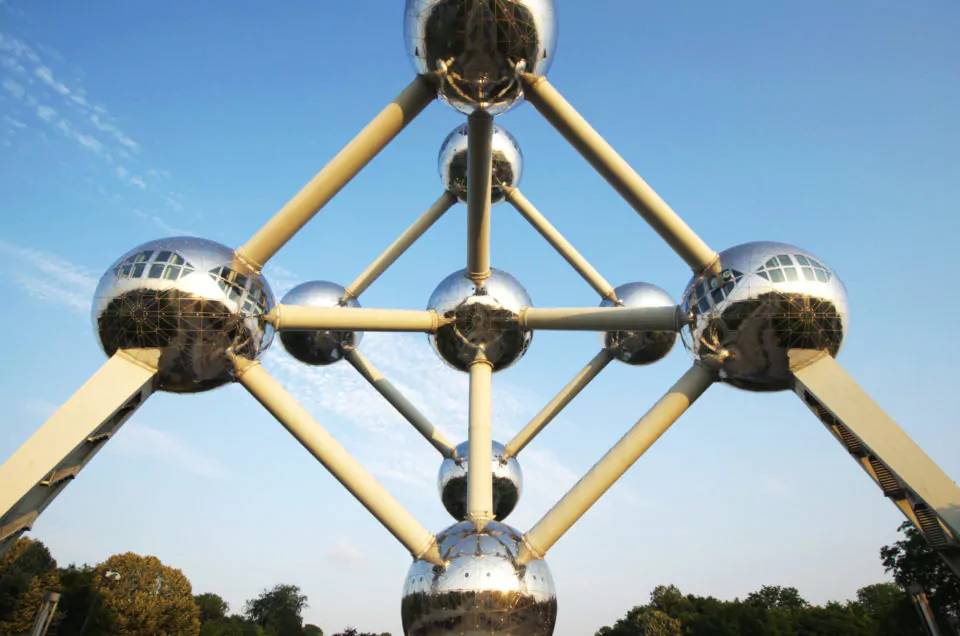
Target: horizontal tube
x,y
603,318
300,317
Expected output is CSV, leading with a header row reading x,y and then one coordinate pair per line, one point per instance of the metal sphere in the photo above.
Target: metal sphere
x,y
771,298
318,347
640,347
507,163
507,483
483,318
482,589
188,298
476,46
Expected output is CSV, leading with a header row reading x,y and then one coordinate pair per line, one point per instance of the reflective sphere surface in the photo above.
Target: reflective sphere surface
x,y
507,483
318,346
507,163
771,298
640,347
477,44
483,318
483,590
185,297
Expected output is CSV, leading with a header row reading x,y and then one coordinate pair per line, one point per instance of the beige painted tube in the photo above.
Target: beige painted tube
x,y
479,168
392,253
561,244
336,174
352,318
615,463
612,167
603,318
334,457
399,402
557,404
480,455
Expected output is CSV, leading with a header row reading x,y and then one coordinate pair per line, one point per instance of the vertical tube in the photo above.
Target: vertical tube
x,y
479,168
480,456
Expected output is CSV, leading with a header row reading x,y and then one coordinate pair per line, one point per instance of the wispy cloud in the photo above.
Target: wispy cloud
x,y
14,88
46,76
346,555
142,441
164,227
47,277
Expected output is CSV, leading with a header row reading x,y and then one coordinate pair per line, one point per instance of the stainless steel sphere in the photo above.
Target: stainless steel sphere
x,y
507,163
482,590
507,483
318,347
476,46
483,319
640,347
186,297
770,298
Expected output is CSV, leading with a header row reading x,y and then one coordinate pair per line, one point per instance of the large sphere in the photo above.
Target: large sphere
x,y
318,346
507,482
477,45
640,347
482,589
483,318
507,163
186,297
771,298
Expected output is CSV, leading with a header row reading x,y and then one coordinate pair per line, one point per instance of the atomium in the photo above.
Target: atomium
x,y
639,347
507,167
319,347
477,45
188,298
507,482
770,298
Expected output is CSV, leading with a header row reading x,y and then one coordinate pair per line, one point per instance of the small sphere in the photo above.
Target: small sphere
x,y
318,347
188,298
507,163
640,347
507,483
483,318
477,45
770,298
482,589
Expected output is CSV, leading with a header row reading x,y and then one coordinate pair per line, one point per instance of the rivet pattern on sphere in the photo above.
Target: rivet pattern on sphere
x,y
640,347
482,590
482,317
318,347
771,298
507,483
188,298
507,167
477,44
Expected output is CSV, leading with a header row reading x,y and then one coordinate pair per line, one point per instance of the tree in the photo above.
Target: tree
x,y
773,597
78,597
644,621
149,598
350,631
312,630
890,608
212,607
232,626
27,572
278,611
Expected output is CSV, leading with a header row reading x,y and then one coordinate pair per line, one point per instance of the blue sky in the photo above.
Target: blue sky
x,y
829,126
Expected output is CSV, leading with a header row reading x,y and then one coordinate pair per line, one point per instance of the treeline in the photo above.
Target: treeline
x,y
883,609
129,594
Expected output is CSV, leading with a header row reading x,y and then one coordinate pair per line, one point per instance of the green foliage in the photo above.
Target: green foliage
x,y
350,631
278,611
212,607
312,630
232,626
774,597
644,621
27,572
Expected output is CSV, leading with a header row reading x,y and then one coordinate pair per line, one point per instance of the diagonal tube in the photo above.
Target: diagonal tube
x,y
479,169
399,402
615,463
557,404
337,173
480,440
403,242
603,318
264,387
561,244
352,318
612,167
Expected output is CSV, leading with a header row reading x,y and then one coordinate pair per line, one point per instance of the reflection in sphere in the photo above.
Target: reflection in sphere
x,y
318,346
507,163
477,45
507,482
640,347
771,298
482,590
483,318
186,297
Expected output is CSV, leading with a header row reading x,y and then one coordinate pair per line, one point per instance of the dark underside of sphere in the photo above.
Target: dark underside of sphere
x,y
476,327
639,347
505,497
